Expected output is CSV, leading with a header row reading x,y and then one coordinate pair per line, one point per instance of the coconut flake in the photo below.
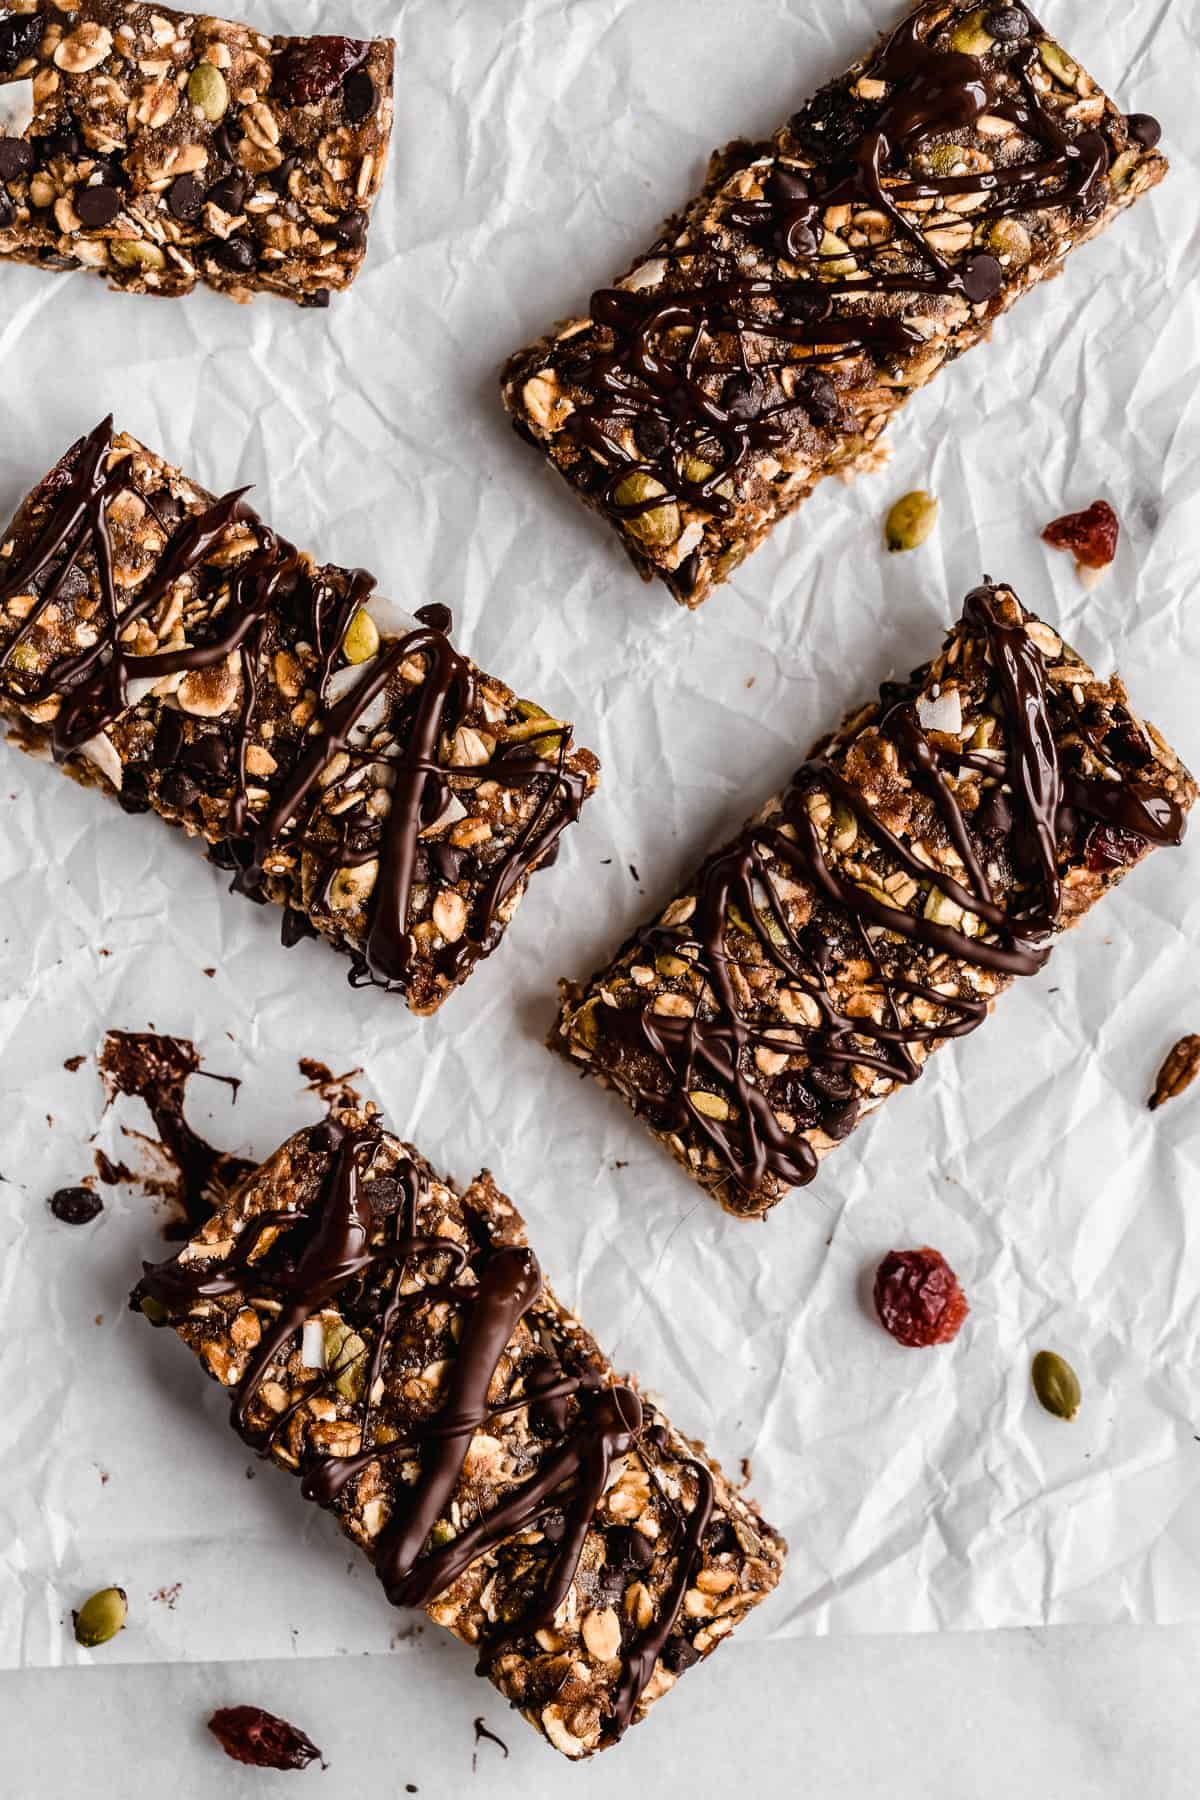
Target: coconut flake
x,y
312,1348
16,108
392,619
101,752
942,714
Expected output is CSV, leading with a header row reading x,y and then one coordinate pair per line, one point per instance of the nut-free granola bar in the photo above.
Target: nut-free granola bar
x,y
393,1343
338,755
164,148
923,856
769,333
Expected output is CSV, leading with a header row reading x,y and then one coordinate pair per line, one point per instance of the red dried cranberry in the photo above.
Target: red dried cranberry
x,y
918,1298
316,67
250,1735
1111,847
1091,535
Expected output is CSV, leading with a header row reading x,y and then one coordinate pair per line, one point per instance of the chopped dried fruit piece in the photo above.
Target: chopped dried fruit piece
x,y
1111,847
1091,536
262,1739
918,1298
315,67
1178,1071
75,1205
1056,1384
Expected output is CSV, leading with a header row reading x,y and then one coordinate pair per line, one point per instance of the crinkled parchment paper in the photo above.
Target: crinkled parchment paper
x,y
538,144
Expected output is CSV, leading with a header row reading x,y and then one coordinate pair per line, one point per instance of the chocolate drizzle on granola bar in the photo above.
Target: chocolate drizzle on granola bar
x,y
671,1064
339,1254
662,350
92,687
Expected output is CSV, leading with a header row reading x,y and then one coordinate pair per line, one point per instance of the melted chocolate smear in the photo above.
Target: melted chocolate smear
x,y
94,688
156,1069
664,348
663,1060
482,1733
570,1481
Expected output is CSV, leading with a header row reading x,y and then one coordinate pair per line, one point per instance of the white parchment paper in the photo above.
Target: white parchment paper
x,y
538,144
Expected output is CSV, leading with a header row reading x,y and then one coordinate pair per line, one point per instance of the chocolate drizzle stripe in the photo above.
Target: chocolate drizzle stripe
x,y
572,1478
684,1057
92,688
667,341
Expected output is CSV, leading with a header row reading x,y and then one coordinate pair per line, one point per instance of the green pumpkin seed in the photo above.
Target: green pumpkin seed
x,y
1058,62
1009,240
101,1617
346,1357
910,521
136,253
207,92
711,1105
361,641
660,525
970,38
1056,1384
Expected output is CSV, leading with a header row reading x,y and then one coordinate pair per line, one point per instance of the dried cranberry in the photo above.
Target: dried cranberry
x,y
742,397
316,67
832,124
651,434
790,1094
250,1735
75,1205
20,35
918,1298
1091,535
1111,847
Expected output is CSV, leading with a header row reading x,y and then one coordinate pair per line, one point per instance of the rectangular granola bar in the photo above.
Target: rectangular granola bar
x,y
393,1342
162,148
766,337
922,857
341,757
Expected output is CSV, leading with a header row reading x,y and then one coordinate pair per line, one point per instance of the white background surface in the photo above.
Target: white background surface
x,y
537,144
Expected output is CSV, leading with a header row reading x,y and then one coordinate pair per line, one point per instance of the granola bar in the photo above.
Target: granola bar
x,y
163,148
393,1343
766,337
922,857
338,755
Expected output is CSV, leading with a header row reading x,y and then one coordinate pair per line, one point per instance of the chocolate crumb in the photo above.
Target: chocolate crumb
x,y
74,1062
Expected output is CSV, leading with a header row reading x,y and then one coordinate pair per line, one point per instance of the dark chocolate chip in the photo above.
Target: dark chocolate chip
x,y
651,434
294,927
65,142
178,789
742,397
97,206
185,197
16,158
206,761
134,796
223,145
787,187
982,277
819,398
436,616
229,194
628,1549
351,232
359,96
1007,23
1144,129
318,299
233,253
75,1205
805,305
168,739
679,1655
687,574
20,35
280,178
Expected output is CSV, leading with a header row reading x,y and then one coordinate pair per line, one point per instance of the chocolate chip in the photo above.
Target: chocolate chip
x,y
319,298
679,1655
223,146
688,574
742,397
651,434
16,157
75,1205
280,178
168,739
351,232
20,35
982,278
65,142
628,1549
1144,129
134,796
805,305
206,760
185,197
234,253
819,398
229,194
786,187
177,789
97,206
358,95
1008,23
